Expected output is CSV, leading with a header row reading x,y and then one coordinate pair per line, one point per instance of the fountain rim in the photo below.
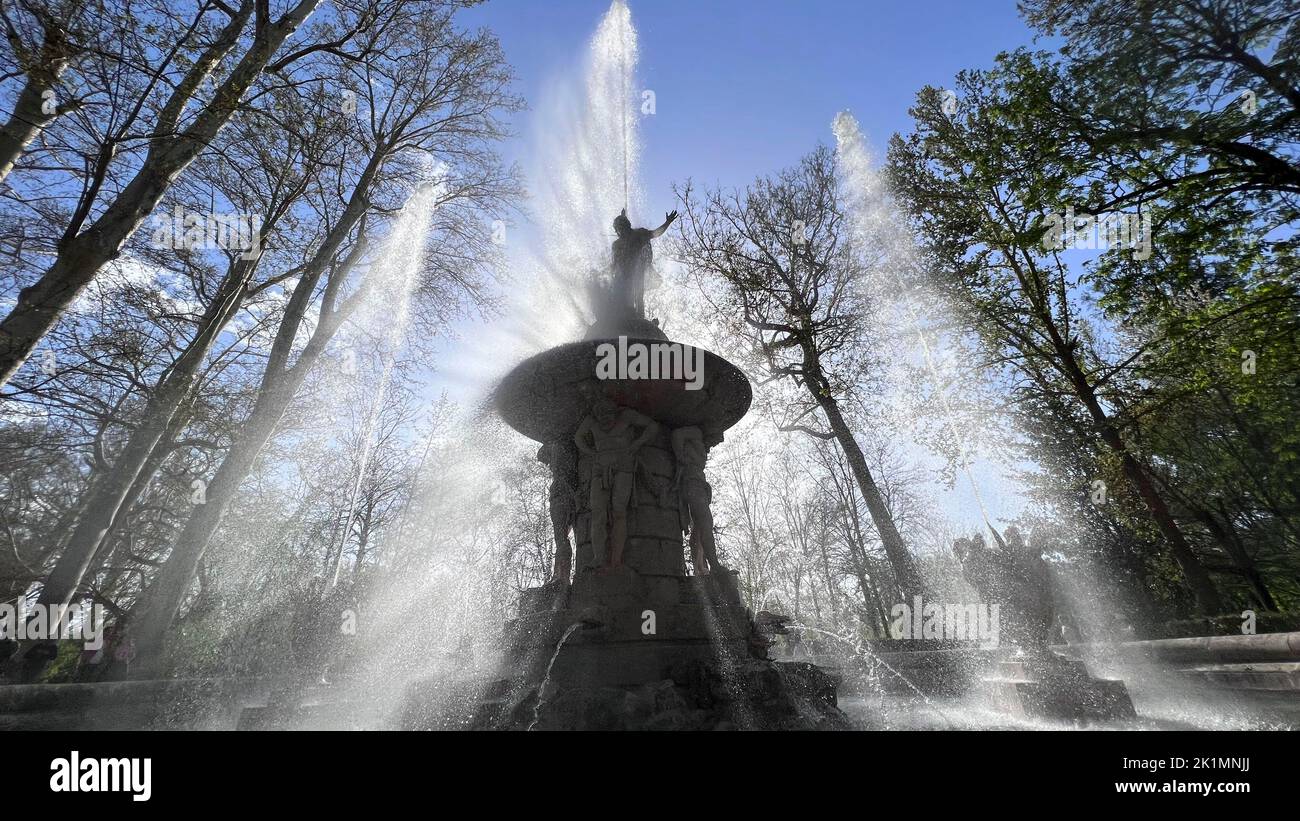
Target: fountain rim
x,y
727,389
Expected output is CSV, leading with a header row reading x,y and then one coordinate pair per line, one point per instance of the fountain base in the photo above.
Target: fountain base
x,y
635,651
1022,684
1046,685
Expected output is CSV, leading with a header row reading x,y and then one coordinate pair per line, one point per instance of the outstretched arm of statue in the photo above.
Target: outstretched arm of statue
x,y
668,220
580,438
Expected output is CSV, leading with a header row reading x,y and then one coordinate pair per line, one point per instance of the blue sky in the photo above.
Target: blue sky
x,y
744,88
748,86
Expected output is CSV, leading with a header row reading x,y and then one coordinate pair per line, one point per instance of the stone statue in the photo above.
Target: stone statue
x,y
695,496
1033,580
978,567
632,260
607,435
1015,577
562,459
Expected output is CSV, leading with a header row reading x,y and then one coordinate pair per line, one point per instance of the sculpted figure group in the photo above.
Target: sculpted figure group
x,y
611,438
1014,575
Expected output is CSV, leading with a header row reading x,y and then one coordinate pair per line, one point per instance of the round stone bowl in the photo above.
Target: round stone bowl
x,y
546,396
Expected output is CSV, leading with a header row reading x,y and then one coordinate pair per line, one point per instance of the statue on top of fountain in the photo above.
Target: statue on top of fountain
x,y
633,260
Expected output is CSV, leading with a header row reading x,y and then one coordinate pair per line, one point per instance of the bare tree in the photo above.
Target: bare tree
x,y
43,39
791,268
105,217
428,89
271,180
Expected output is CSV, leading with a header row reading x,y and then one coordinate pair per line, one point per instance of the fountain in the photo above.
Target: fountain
x,y
639,627
633,641
622,636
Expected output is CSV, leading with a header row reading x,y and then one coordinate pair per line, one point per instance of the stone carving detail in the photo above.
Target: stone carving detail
x,y
608,437
562,458
695,496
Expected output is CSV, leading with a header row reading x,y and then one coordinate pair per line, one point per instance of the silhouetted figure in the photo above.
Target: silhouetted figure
x,y
695,496
982,568
1017,579
632,259
1034,591
562,458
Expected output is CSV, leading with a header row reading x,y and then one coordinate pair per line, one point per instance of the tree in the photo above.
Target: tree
x,y
276,179
43,41
1190,114
104,217
791,271
1210,88
978,185
446,90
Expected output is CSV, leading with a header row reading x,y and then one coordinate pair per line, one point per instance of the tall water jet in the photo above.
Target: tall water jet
x,y
1024,676
386,314
583,169
911,314
625,418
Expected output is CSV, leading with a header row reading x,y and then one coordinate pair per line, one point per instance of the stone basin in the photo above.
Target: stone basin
x,y
546,396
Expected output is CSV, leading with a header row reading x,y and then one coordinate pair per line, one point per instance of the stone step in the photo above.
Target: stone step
x,y
1064,698
1262,647
1281,676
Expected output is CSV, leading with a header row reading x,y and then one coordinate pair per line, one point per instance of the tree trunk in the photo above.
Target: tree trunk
x,y
1237,552
159,604
115,490
32,112
831,594
905,572
30,115
1197,577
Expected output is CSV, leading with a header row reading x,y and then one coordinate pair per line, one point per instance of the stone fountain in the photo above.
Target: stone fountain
x,y
622,636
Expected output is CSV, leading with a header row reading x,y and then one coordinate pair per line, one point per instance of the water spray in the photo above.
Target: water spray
x,y
851,142
401,254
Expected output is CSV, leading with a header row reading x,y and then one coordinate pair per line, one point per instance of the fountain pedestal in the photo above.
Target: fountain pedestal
x,y
634,627
633,651
643,646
